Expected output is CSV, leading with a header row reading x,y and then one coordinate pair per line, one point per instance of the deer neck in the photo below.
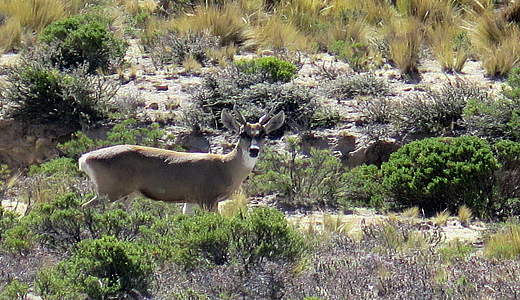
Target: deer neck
x,y
241,162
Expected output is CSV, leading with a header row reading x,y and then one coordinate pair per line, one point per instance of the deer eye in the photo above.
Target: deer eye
x,y
244,135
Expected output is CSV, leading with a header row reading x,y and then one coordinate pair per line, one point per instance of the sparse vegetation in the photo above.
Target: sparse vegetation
x,y
248,54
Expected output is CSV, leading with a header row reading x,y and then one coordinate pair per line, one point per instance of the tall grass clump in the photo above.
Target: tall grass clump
x,y
451,46
443,173
226,22
494,39
505,244
277,34
27,17
404,37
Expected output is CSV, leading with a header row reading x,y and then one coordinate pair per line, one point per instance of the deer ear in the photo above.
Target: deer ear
x,y
229,121
275,122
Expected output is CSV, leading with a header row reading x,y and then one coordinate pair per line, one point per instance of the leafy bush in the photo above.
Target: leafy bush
x,y
363,187
438,112
442,173
84,39
104,268
508,177
270,68
210,239
310,181
8,220
60,223
15,290
38,93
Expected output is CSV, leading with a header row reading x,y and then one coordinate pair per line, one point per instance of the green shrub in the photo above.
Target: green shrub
x,y
309,181
270,68
263,234
8,220
60,223
442,173
38,93
15,290
51,284
363,187
18,240
84,39
58,167
251,238
508,178
106,268
204,239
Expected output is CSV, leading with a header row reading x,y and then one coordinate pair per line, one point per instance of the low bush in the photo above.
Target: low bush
x,y
84,39
300,181
442,173
438,112
254,97
363,187
493,119
508,178
347,87
270,68
38,93
104,268
209,240
15,290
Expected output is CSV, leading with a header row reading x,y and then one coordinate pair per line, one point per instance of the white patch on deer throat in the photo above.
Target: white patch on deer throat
x,y
249,161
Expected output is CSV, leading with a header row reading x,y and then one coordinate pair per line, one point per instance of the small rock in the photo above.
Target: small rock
x,y
162,87
153,105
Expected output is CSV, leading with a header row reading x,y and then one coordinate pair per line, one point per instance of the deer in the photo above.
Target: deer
x,y
203,179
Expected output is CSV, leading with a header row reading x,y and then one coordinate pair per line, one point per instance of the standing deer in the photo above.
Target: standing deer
x,y
192,178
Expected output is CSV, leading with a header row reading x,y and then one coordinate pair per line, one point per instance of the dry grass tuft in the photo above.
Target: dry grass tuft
x,y
497,43
279,34
450,45
404,37
504,244
411,212
31,16
441,218
227,23
237,204
465,215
